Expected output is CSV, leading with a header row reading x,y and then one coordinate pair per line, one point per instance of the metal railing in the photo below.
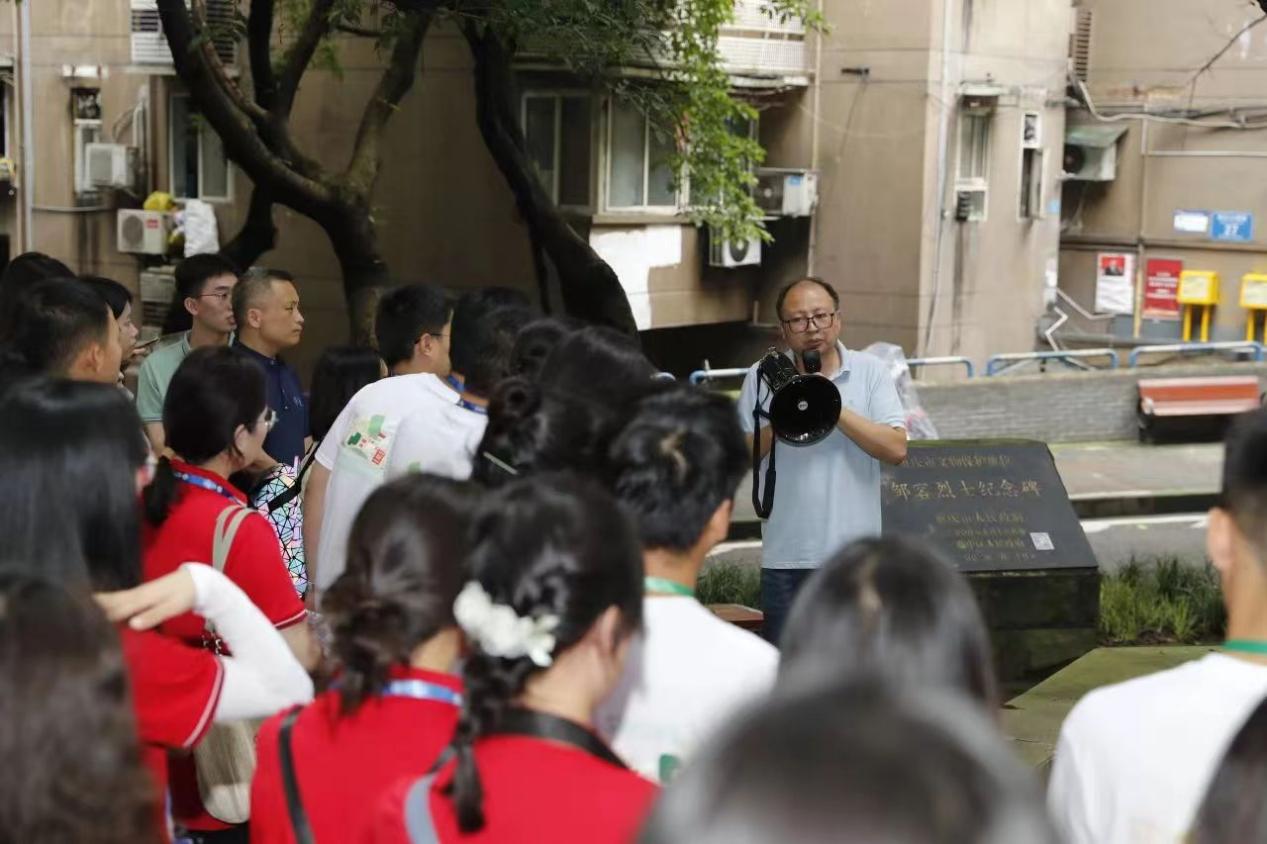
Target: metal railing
x,y
954,360
1000,364
1256,349
699,376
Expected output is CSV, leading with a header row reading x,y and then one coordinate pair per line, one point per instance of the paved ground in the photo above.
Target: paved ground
x,y
1122,477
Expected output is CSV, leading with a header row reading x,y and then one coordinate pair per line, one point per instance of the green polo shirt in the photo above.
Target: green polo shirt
x,y
156,373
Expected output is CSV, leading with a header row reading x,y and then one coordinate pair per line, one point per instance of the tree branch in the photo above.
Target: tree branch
x,y
590,288
258,233
367,32
239,133
397,79
259,34
296,60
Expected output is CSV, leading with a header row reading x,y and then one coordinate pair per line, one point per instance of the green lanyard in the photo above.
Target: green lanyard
x,y
1246,646
664,586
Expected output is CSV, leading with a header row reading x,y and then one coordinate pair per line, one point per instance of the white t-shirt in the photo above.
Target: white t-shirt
x,y
684,677
439,439
1134,760
356,451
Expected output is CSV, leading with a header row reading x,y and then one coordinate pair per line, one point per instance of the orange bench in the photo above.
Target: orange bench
x,y
739,615
1224,395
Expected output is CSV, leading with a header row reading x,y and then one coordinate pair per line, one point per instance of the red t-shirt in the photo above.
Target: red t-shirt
x,y
254,563
175,691
345,763
534,790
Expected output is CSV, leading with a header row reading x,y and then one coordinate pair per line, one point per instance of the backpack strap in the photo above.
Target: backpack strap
x,y
290,781
419,824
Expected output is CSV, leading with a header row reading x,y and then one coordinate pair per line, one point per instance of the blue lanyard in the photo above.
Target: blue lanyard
x,y
422,690
205,483
459,387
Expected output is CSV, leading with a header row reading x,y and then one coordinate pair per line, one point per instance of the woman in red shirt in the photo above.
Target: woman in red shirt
x,y
395,702
73,459
215,419
555,594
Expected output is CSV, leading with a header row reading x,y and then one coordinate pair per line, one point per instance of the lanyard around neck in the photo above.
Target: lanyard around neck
x,y
205,483
527,722
422,690
1256,647
664,586
460,388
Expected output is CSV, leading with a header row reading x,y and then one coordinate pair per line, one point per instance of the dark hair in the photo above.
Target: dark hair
x,y
192,275
64,693
810,279
116,295
854,765
535,342
549,545
53,322
340,372
253,284
679,458
891,608
19,274
405,314
406,556
1244,493
493,338
601,365
530,432
214,390
473,308
69,454
1233,811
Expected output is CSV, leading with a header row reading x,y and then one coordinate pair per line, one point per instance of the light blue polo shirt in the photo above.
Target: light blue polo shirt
x,y
828,494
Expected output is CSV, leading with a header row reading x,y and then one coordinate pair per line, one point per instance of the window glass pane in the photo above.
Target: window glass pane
x,y
215,166
660,191
628,157
539,133
974,146
184,149
574,153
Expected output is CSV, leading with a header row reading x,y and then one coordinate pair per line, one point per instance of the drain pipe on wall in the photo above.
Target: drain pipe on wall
x,y
943,153
27,183
813,142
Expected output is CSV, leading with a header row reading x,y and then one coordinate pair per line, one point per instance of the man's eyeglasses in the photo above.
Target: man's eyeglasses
x,y
269,419
801,324
222,295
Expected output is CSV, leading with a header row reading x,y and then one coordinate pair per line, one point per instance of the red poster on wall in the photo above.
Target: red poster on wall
x,y
1161,288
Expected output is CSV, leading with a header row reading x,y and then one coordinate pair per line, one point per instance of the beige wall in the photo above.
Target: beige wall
x,y
1144,56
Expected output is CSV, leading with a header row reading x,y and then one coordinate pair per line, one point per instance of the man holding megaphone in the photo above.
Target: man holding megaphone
x,y
827,417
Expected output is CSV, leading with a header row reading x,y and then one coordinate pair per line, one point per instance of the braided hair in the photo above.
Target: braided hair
x,y
552,544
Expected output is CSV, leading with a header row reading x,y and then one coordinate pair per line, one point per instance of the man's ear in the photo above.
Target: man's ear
x,y
718,527
1221,536
191,305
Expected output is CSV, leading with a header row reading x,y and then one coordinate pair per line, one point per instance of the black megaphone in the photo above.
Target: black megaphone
x,y
804,408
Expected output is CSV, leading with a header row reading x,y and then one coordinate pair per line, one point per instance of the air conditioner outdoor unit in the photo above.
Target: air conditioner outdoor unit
x,y
110,165
157,287
734,253
144,232
787,193
1090,163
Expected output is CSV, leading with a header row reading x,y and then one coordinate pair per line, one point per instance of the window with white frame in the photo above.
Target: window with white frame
x,y
1031,207
199,166
558,129
639,168
972,182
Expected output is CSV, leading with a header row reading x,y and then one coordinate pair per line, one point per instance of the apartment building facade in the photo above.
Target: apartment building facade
x,y
934,128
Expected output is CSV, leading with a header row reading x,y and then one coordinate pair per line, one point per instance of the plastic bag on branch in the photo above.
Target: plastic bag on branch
x,y
198,222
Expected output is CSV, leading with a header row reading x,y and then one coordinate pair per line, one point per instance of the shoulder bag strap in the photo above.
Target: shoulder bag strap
x,y
290,494
227,524
290,781
419,825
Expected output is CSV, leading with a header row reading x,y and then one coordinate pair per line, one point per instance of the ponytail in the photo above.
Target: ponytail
x,y
490,684
160,495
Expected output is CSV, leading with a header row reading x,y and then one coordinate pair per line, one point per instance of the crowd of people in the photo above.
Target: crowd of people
x,y
449,594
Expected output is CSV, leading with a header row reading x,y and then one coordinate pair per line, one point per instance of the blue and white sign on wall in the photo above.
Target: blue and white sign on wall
x,y
1232,226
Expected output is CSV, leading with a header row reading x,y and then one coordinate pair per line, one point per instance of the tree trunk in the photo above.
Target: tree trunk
x,y
365,273
257,235
590,288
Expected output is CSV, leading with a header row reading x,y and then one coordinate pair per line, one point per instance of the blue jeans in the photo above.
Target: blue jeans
x,y
778,591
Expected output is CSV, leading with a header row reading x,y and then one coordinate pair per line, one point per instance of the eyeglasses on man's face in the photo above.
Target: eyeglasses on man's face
x,y
269,419
801,324
222,295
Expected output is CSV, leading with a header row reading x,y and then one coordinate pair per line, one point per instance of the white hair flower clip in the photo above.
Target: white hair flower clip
x,y
500,631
